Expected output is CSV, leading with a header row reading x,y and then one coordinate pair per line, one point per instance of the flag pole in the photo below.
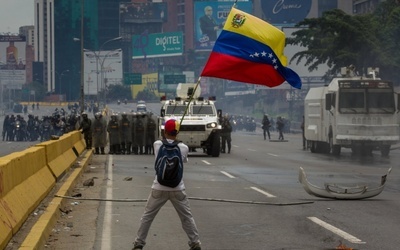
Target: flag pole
x,y
195,88
190,100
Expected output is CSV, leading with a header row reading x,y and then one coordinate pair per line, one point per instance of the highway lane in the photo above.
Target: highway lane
x,y
8,147
264,171
256,170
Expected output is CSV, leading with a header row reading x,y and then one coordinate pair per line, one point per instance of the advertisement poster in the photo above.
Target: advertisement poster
x,y
209,19
157,45
285,12
12,61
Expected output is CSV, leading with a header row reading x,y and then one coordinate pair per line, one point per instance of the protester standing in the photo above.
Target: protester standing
x,y
160,194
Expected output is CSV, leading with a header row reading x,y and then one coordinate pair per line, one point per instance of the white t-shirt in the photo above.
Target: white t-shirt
x,y
184,152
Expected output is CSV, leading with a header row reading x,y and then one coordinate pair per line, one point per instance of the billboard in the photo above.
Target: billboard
x,y
102,68
209,19
12,61
157,45
285,12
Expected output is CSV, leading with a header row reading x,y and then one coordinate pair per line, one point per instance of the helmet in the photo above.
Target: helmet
x,y
84,115
98,115
123,114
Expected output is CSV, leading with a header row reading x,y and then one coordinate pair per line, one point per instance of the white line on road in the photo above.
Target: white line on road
x,y
229,175
250,149
206,162
272,154
336,230
263,192
106,234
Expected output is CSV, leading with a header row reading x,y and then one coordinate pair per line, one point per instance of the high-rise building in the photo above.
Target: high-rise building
x,y
365,6
44,39
58,32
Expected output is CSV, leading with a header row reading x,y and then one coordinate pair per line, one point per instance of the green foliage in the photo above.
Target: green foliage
x,y
339,40
117,91
146,95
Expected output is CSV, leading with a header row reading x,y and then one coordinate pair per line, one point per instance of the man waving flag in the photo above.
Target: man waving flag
x,y
250,50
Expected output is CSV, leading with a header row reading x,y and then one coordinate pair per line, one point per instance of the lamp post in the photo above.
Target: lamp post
x,y
97,55
106,70
102,82
82,93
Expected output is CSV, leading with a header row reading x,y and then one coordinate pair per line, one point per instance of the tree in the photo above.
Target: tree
x,y
146,95
118,91
339,40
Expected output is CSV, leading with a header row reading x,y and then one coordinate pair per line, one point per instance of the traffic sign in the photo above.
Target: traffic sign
x,y
174,79
132,78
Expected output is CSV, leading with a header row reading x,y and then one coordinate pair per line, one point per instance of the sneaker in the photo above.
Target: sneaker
x,y
137,246
195,246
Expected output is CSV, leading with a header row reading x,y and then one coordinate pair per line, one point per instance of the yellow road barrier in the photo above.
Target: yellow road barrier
x,y
25,180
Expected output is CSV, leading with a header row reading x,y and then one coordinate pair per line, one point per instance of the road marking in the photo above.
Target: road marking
x,y
206,162
263,192
106,234
272,154
336,231
229,175
250,149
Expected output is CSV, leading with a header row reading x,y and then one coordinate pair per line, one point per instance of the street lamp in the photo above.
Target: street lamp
x,y
97,55
102,83
107,69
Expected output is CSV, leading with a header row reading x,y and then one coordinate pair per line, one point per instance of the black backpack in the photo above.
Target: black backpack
x,y
169,164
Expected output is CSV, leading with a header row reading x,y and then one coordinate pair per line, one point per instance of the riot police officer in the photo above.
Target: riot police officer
x,y
226,135
86,127
135,148
140,132
99,133
150,133
113,130
126,134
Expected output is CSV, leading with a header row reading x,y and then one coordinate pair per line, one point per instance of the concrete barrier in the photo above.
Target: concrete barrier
x,y
27,177
40,232
60,154
5,227
78,142
25,180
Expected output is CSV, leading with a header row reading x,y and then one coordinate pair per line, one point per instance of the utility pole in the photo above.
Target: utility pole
x,y
82,101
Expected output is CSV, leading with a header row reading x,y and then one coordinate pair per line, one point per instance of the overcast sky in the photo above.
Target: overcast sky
x,y
14,14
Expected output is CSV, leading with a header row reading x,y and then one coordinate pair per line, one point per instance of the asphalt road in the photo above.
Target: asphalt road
x,y
256,170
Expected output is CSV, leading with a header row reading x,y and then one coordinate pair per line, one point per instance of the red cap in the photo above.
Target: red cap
x,y
172,127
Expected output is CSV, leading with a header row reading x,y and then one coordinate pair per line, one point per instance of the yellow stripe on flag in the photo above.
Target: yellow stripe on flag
x,y
259,30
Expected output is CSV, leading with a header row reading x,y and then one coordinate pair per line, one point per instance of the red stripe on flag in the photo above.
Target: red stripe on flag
x,y
237,69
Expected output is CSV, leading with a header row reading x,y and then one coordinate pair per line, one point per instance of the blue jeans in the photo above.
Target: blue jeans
x,y
156,200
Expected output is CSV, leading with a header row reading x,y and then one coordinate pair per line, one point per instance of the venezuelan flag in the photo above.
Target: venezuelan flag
x,y
250,50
